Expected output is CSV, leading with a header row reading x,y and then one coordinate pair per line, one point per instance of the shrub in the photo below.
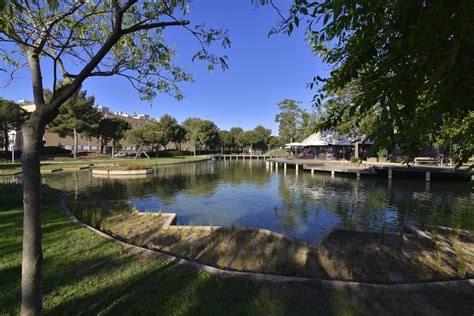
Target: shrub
x,y
134,166
54,150
173,153
11,193
277,152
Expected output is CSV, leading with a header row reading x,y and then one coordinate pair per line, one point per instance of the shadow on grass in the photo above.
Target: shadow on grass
x,y
86,274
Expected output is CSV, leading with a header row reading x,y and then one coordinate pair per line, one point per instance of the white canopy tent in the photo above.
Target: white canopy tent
x,y
325,139
294,144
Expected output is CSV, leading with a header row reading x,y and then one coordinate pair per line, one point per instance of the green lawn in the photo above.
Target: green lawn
x,y
86,274
6,167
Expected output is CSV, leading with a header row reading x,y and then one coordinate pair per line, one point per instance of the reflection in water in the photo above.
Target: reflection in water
x,y
244,193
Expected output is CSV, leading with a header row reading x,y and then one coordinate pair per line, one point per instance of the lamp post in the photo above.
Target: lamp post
x,y
11,143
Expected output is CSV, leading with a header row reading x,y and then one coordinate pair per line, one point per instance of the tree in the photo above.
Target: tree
x,y
83,39
413,61
248,140
193,127
308,126
200,132
456,136
275,142
77,115
289,119
155,134
262,136
111,129
139,137
257,138
209,134
179,136
169,127
235,131
11,116
226,140
357,127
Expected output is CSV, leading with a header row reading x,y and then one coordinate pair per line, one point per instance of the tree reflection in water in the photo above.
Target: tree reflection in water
x,y
244,193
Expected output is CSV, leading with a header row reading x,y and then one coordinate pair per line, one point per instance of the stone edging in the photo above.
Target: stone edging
x,y
172,218
120,172
259,276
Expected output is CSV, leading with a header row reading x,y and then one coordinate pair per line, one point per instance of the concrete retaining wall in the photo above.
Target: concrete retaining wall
x,y
172,219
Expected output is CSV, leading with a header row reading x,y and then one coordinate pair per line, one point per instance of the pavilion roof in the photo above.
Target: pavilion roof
x,y
327,138
294,144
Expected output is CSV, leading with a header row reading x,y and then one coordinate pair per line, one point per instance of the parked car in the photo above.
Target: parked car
x,y
121,155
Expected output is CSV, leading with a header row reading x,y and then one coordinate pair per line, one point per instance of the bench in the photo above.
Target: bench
x,y
425,161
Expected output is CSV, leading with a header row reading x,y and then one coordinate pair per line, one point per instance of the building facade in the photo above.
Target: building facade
x,y
86,143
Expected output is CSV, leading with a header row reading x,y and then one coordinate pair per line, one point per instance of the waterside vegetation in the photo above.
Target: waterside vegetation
x,y
345,254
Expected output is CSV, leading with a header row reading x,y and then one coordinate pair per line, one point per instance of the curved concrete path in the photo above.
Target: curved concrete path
x,y
261,276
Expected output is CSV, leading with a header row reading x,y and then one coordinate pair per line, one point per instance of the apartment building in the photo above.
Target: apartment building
x,y
85,143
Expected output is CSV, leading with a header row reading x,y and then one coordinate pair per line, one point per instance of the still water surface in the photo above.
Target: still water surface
x,y
244,193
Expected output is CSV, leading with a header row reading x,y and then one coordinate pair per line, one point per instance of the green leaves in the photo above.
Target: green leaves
x,y
200,132
112,128
88,34
412,61
289,119
77,113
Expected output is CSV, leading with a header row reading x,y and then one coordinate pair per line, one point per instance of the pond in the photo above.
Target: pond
x,y
301,205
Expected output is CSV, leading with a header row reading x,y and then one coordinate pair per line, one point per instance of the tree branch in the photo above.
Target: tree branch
x,y
148,26
43,38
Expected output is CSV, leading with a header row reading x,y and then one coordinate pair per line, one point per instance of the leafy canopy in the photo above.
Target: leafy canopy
x,y
76,114
11,117
84,39
170,130
289,119
200,132
412,60
226,140
356,126
112,128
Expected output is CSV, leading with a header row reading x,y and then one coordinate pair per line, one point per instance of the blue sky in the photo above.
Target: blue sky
x,y
263,71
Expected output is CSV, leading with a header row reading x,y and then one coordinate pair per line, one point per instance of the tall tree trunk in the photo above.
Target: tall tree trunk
x,y
102,144
113,148
32,261
195,150
356,149
74,152
5,138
